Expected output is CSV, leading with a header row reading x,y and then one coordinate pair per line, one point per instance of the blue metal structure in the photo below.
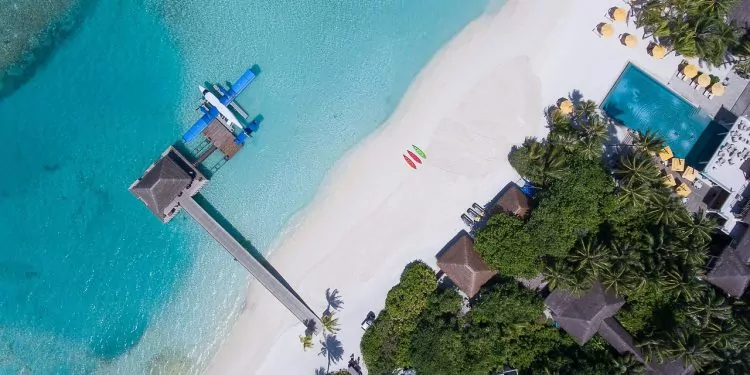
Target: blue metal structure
x,y
528,189
245,80
227,97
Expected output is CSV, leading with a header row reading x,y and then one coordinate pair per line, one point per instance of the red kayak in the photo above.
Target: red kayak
x,y
415,157
408,161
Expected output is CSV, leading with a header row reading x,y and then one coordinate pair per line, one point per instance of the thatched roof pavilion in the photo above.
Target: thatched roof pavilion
x,y
581,316
463,265
513,201
168,180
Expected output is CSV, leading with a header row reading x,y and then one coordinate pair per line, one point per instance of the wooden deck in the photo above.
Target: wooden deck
x,y
222,138
285,295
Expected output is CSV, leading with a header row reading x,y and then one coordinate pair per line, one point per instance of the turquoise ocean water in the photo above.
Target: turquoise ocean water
x,y
89,280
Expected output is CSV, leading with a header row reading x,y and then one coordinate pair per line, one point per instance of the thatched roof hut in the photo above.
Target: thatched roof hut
x,y
463,265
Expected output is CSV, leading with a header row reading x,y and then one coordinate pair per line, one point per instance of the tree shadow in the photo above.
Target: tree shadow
x,y
332,349
333,298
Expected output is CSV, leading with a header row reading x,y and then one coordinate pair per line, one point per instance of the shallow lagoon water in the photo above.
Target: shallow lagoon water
x,y
89,280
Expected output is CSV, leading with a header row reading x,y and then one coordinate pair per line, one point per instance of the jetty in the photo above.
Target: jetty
x,y
171,184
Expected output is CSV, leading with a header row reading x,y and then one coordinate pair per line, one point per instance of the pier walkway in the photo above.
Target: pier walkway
x,y
258,270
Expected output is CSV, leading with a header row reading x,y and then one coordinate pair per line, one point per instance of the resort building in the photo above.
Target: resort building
x,y
463,265
593,312
731,273
513,201
166,182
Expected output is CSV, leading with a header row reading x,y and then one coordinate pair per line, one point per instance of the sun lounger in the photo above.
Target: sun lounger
x,y
478,208
467,220
474,215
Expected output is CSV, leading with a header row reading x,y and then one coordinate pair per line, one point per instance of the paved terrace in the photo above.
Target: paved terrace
x,y
735,86
271,282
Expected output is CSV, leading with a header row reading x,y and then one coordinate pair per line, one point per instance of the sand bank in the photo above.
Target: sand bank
x,y
484,92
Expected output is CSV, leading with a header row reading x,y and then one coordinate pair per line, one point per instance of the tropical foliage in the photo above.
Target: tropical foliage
x,y
630,233
505,326
597,217
692,28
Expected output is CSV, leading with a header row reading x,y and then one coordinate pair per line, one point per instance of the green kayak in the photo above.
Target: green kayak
x,y
419,151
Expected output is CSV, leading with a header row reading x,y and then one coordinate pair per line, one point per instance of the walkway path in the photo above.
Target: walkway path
x,y
274,285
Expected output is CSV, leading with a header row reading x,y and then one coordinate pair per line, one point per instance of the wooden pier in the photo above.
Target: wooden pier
x,y
170,185
287,297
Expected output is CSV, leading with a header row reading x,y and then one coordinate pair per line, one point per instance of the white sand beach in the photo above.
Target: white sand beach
x,y
484,92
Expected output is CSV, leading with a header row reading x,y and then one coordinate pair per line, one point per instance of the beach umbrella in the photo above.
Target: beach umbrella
x,y
630,40
669,181
690,70
606,30
658,52
690,174
678,165
704,80
665,154
683,190
619,14
566,107
717,89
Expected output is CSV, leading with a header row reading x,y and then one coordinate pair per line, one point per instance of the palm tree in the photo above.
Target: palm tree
x,y
689,346
699,228
636,195
585,110
664,209
637,169
590,257
682,283
564,140
330,323
713,38
648,143
709,308
306,341
615,279
539,162
595,130
557,275
654,350
628,365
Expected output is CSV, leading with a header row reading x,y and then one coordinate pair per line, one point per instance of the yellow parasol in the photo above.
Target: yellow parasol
x,y
606,30
669,180
690,174
683,190
704,80
630,40
619,14
690,70
665,154
717,89
658,52
678,165
566,107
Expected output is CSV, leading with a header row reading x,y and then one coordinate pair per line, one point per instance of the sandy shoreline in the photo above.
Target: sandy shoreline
x,y
484,92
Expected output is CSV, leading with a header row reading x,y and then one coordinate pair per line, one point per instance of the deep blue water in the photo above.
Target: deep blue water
x,y
89,280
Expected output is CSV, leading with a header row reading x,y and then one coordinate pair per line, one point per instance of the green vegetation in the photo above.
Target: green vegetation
x,y
692,28
576,199
610,221
620,226
505,326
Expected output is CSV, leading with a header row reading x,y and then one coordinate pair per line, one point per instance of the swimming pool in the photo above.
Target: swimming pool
x,y
641,103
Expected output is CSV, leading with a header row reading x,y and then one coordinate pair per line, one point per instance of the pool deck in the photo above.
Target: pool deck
x,y
735,86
